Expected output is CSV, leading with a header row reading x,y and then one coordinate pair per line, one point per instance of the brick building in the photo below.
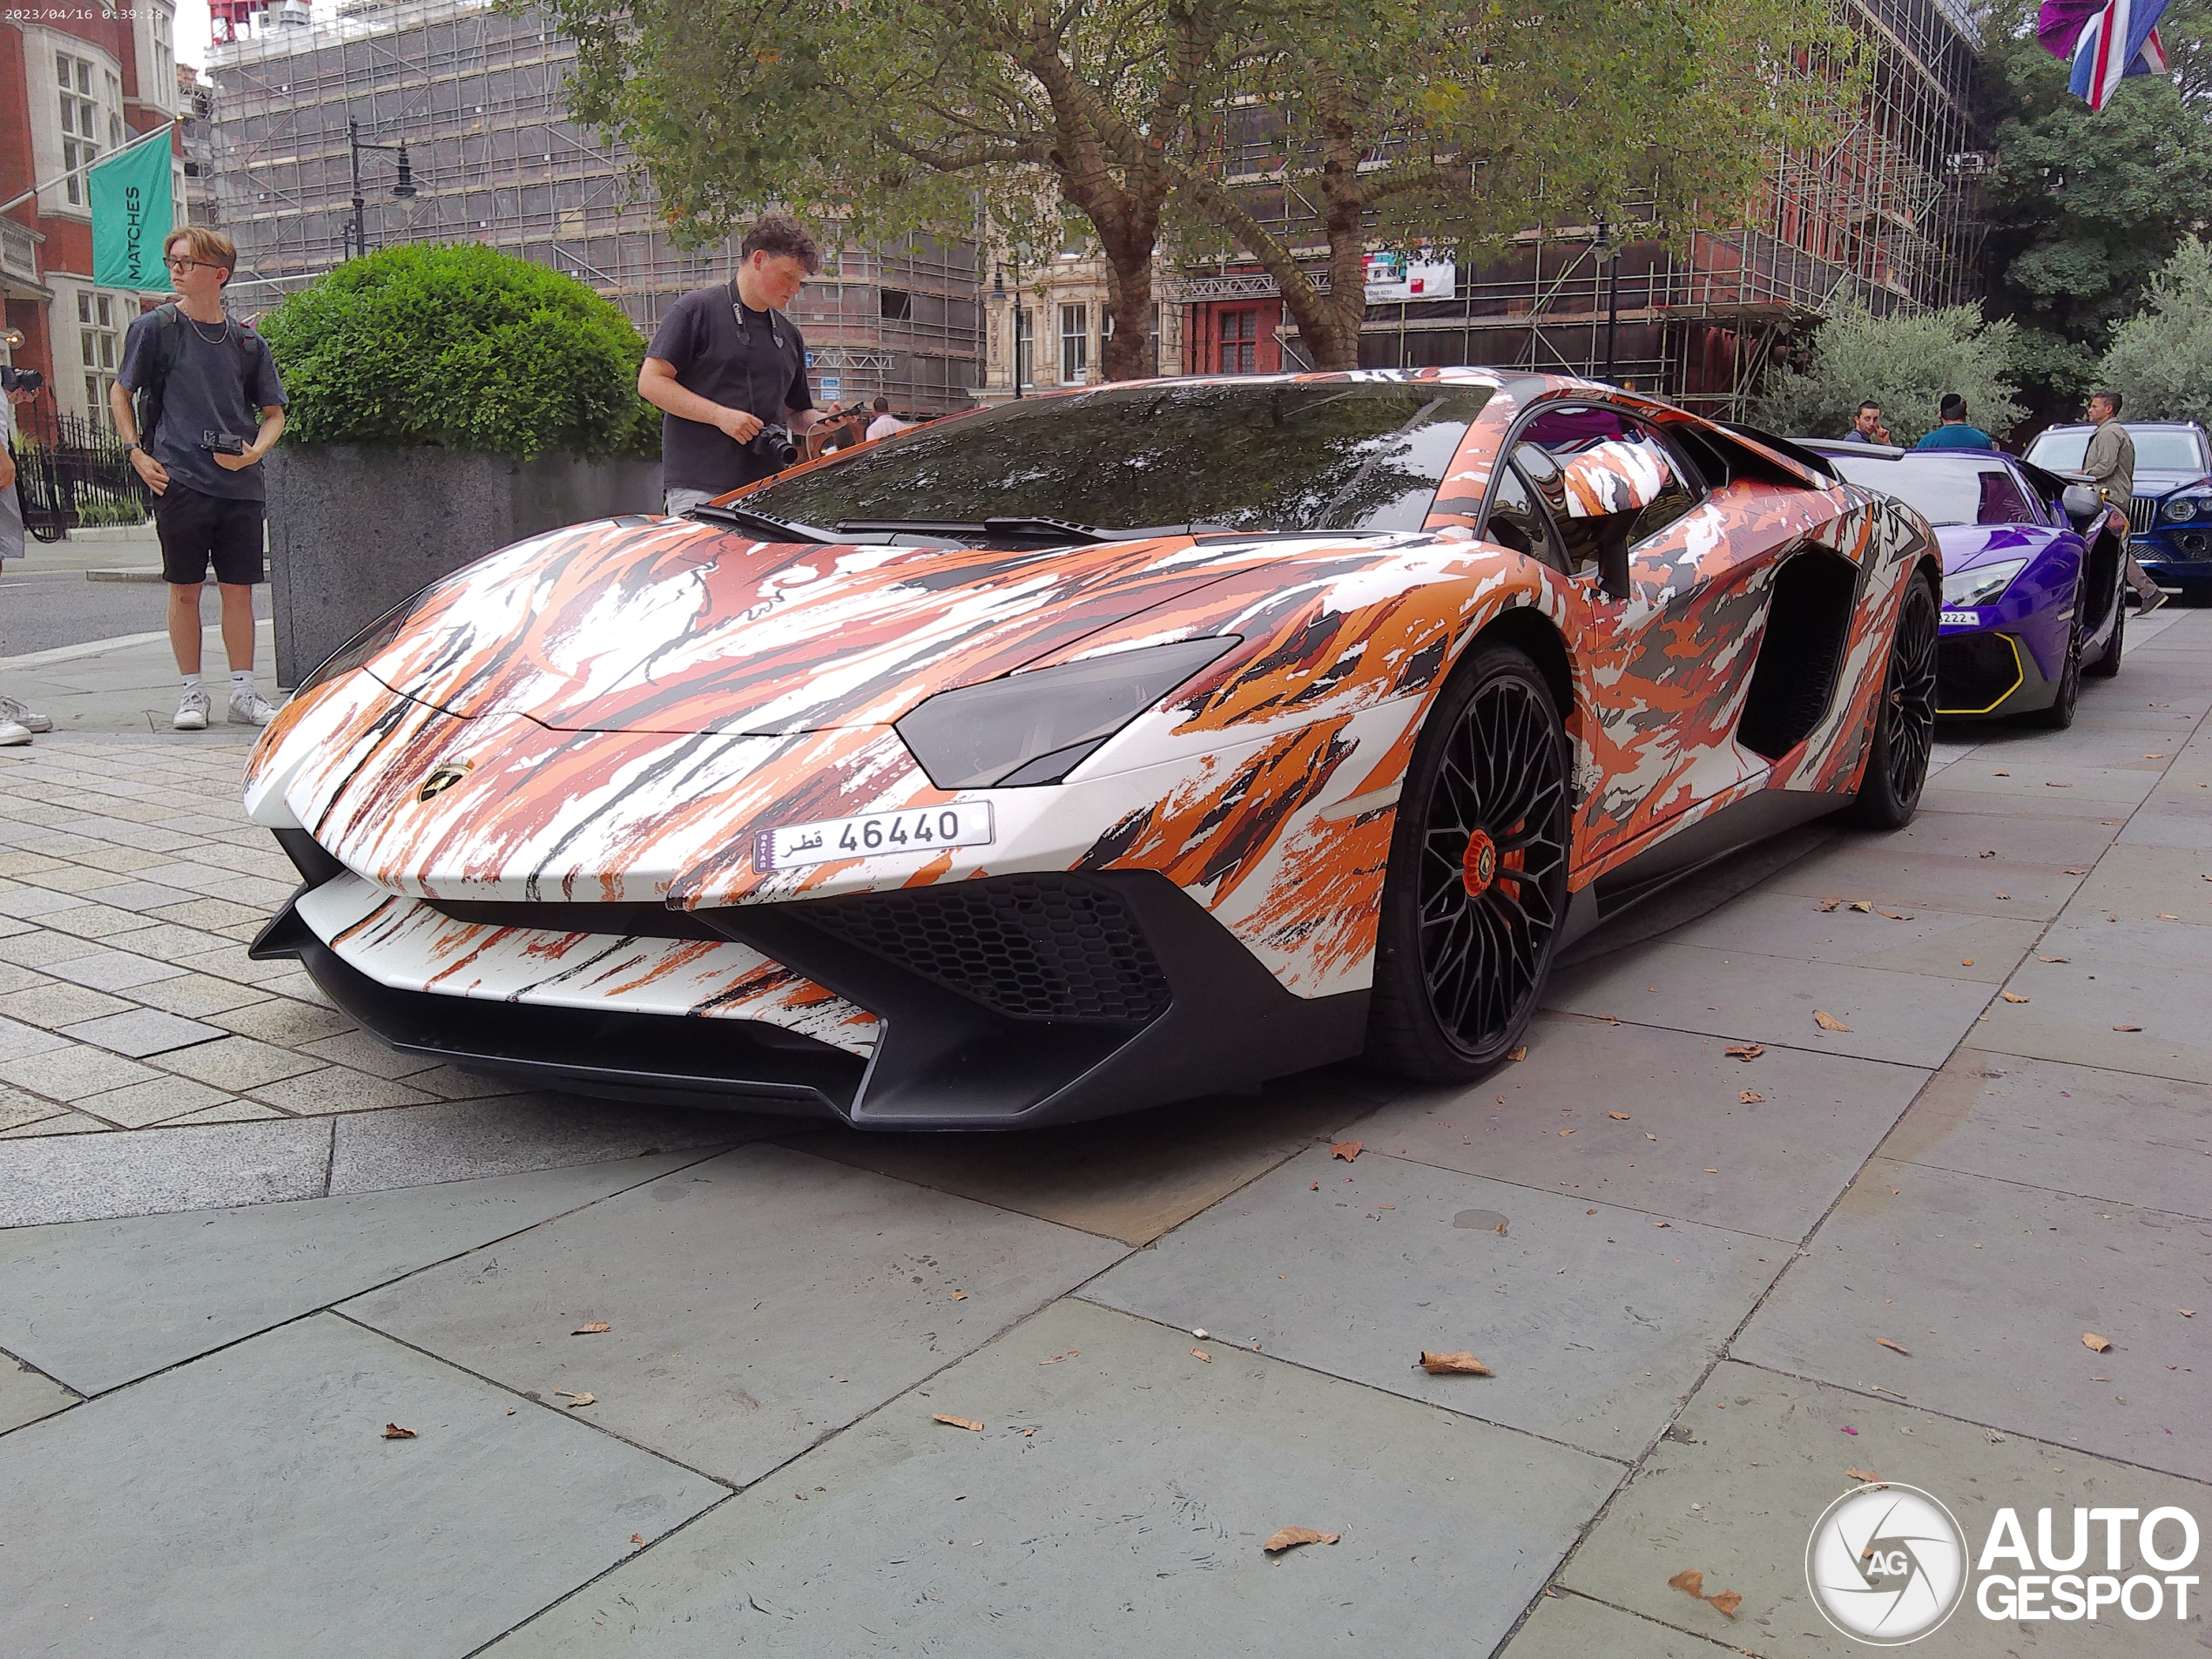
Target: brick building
x,y
74,88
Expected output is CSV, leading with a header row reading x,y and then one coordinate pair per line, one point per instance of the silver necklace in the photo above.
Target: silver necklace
x,y
222,328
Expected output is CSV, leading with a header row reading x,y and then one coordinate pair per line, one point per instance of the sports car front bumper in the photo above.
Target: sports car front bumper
x,y
1005,1002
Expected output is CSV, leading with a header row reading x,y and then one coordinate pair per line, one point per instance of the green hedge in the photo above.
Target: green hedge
x,y
461,347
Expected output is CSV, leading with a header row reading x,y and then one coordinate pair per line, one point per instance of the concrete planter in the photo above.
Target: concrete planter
x,y
354,531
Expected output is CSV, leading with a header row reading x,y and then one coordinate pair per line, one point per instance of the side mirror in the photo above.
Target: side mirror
x,y
1614,477
2083,505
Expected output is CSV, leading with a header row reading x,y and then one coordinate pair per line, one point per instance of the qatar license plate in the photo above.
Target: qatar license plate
x,y
924,829
1962,619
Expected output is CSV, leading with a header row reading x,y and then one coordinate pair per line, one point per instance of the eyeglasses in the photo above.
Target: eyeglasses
x,y
176,263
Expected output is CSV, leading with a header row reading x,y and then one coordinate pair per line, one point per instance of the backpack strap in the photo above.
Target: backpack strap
x,y
168,341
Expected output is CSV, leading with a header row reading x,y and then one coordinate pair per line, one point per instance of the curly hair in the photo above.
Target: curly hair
x,y
780,234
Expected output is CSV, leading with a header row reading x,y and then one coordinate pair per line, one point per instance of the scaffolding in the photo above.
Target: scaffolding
x,y
1882,218
476,95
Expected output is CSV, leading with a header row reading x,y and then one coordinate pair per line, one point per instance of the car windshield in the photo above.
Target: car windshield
x,y
2171,450
1955,489
1267,456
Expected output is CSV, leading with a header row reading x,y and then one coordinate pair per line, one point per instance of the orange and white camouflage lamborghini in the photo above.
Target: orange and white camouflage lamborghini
x,y
1095,750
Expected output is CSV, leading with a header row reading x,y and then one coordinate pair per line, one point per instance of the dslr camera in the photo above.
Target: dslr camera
x,y
775,445
222,443
19,380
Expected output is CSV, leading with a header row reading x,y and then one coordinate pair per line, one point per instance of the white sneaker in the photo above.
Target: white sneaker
x,y
251,708
191,712
13,736
15,713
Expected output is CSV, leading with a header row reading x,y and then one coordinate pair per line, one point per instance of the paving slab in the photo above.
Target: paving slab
x,y
26,1395
1770,1166
1909,1019
1594,1318
1128,1520
1758,1457
759,1302
2140,883
2083,1129
2168,819
1130,1178
248,1505
1948,944
44,1177
141,1033
508,1134
1907,879
99,1304
2109,975
1567,1626
1991,1286
75,1072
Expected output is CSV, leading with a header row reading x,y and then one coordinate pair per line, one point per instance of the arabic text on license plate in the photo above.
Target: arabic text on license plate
x,y
1962,619
923,830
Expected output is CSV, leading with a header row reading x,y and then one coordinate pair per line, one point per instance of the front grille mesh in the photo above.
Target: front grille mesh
x,y
1032,947
2142,511
1975,672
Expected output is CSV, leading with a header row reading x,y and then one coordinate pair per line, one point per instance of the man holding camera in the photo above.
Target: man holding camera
x,y
728,371
202,381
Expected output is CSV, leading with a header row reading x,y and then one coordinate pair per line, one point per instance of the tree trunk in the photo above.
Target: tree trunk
x,y
1128,352
1343,219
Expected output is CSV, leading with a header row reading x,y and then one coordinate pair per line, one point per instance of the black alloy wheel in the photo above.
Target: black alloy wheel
x,y
2107,666
2059,714
1897,769
1476,892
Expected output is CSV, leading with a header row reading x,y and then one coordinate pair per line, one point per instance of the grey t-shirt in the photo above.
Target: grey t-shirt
x,y
215,386
760,368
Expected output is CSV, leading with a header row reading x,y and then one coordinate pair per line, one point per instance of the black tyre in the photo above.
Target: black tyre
x,y
1476,891
1897,768
2108,666
2059,714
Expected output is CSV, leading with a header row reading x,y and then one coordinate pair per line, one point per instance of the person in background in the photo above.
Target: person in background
x,y
213,406
886,423
2110,463
1953,433
17,722
1866,426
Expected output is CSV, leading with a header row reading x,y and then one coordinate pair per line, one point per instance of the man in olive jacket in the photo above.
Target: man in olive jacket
x,y
2110,460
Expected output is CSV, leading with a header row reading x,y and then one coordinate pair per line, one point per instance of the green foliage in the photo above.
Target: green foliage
x,y
461,347
1905,363
2068,263
2161,360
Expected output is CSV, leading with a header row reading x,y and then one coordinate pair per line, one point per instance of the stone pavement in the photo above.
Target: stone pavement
x,y
245,1238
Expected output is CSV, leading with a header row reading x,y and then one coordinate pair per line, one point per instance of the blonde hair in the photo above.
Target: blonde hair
x,y
202,243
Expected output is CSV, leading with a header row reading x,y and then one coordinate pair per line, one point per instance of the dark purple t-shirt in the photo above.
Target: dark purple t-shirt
x,y
760,368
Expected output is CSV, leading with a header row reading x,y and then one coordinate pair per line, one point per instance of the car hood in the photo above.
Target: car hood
x,y
2159,481
1966,546
673,626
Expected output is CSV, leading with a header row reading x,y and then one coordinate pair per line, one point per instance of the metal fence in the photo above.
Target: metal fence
x,y
74,474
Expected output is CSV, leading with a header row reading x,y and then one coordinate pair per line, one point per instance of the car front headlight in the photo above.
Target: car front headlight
x,y
366,644
1036,728
2180,509
1983,585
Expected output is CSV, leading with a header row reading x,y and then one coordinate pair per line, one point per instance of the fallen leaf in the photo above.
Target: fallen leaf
x,y
1826,906
2004,895
1862,907
1289,1537
2077,873
1649,1136
1618,1117
1828,1022
2188,1313
1997,774
2126,1027
1894,1347
591,1330
1867,1475
1690,1582
1898,916
1453,1364
1348,1151
1521,1053
2162,917
1745,1051
1501,1230
2094,1343
1726,1602
959,1296
1662,1223
1200,1353
1567,1131
1848,1429
968,1423
393,1432
1965,962
1710,1171
637,1538
2015,996
1057,1358
2047,784
576,1400
2052,959
1314,1187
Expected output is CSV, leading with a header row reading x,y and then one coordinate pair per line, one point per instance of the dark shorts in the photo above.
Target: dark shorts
x,y
198,529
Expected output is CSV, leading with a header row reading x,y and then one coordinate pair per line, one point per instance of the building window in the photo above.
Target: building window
x,y
80,124
1074,344
1239,342
165,57
99,348
898,304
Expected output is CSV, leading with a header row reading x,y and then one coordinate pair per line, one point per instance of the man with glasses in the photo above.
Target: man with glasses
x,y
209,407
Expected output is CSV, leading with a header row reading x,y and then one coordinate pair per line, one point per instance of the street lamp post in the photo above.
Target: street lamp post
x,y
402,188
1607,244
998,292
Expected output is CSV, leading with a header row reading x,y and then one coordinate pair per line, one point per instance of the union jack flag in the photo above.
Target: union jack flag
x,y
2108,41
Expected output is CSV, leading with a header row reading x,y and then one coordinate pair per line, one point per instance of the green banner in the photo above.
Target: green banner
x,y
130,214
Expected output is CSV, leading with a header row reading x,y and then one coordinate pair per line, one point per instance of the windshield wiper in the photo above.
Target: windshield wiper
x,y
744,518
1055,530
